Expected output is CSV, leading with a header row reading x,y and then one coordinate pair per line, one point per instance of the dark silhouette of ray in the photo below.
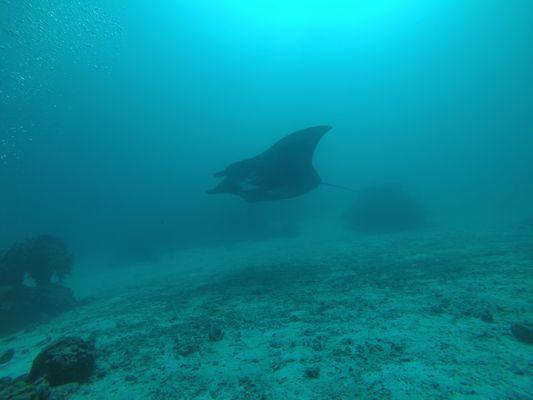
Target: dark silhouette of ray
x,y
283,171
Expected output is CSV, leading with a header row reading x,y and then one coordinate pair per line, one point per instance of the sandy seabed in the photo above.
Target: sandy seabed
x,y
335,315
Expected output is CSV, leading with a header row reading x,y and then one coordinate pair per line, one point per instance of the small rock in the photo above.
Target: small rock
x,y
523,332
6,356
65,361
215,334
486,316
130,378
312,372
347,341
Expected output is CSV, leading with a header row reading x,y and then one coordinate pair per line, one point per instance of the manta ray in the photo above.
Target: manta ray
x,y
283,171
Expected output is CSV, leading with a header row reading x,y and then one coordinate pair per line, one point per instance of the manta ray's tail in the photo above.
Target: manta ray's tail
x,y
338,186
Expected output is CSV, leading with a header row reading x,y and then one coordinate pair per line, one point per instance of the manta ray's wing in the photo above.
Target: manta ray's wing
x,y
288,164
297,148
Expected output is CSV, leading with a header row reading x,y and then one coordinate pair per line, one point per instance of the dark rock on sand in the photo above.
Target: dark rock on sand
x,y
6,356
215,334
347,341
486,316
65,361
312,372
523,332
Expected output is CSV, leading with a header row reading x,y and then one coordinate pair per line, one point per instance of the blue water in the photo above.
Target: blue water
x,y
114,115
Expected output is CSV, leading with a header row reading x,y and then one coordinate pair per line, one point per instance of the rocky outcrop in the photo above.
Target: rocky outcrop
x,y
523,332
27,305
45,260
65,361
215,333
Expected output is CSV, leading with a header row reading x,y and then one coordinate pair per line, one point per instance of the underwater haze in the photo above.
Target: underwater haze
x,y
406,274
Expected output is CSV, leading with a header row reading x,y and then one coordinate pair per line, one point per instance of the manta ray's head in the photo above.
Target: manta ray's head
x,y
227,186
242,186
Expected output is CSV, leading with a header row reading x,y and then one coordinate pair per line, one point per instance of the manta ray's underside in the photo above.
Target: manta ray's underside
x,y
283,171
